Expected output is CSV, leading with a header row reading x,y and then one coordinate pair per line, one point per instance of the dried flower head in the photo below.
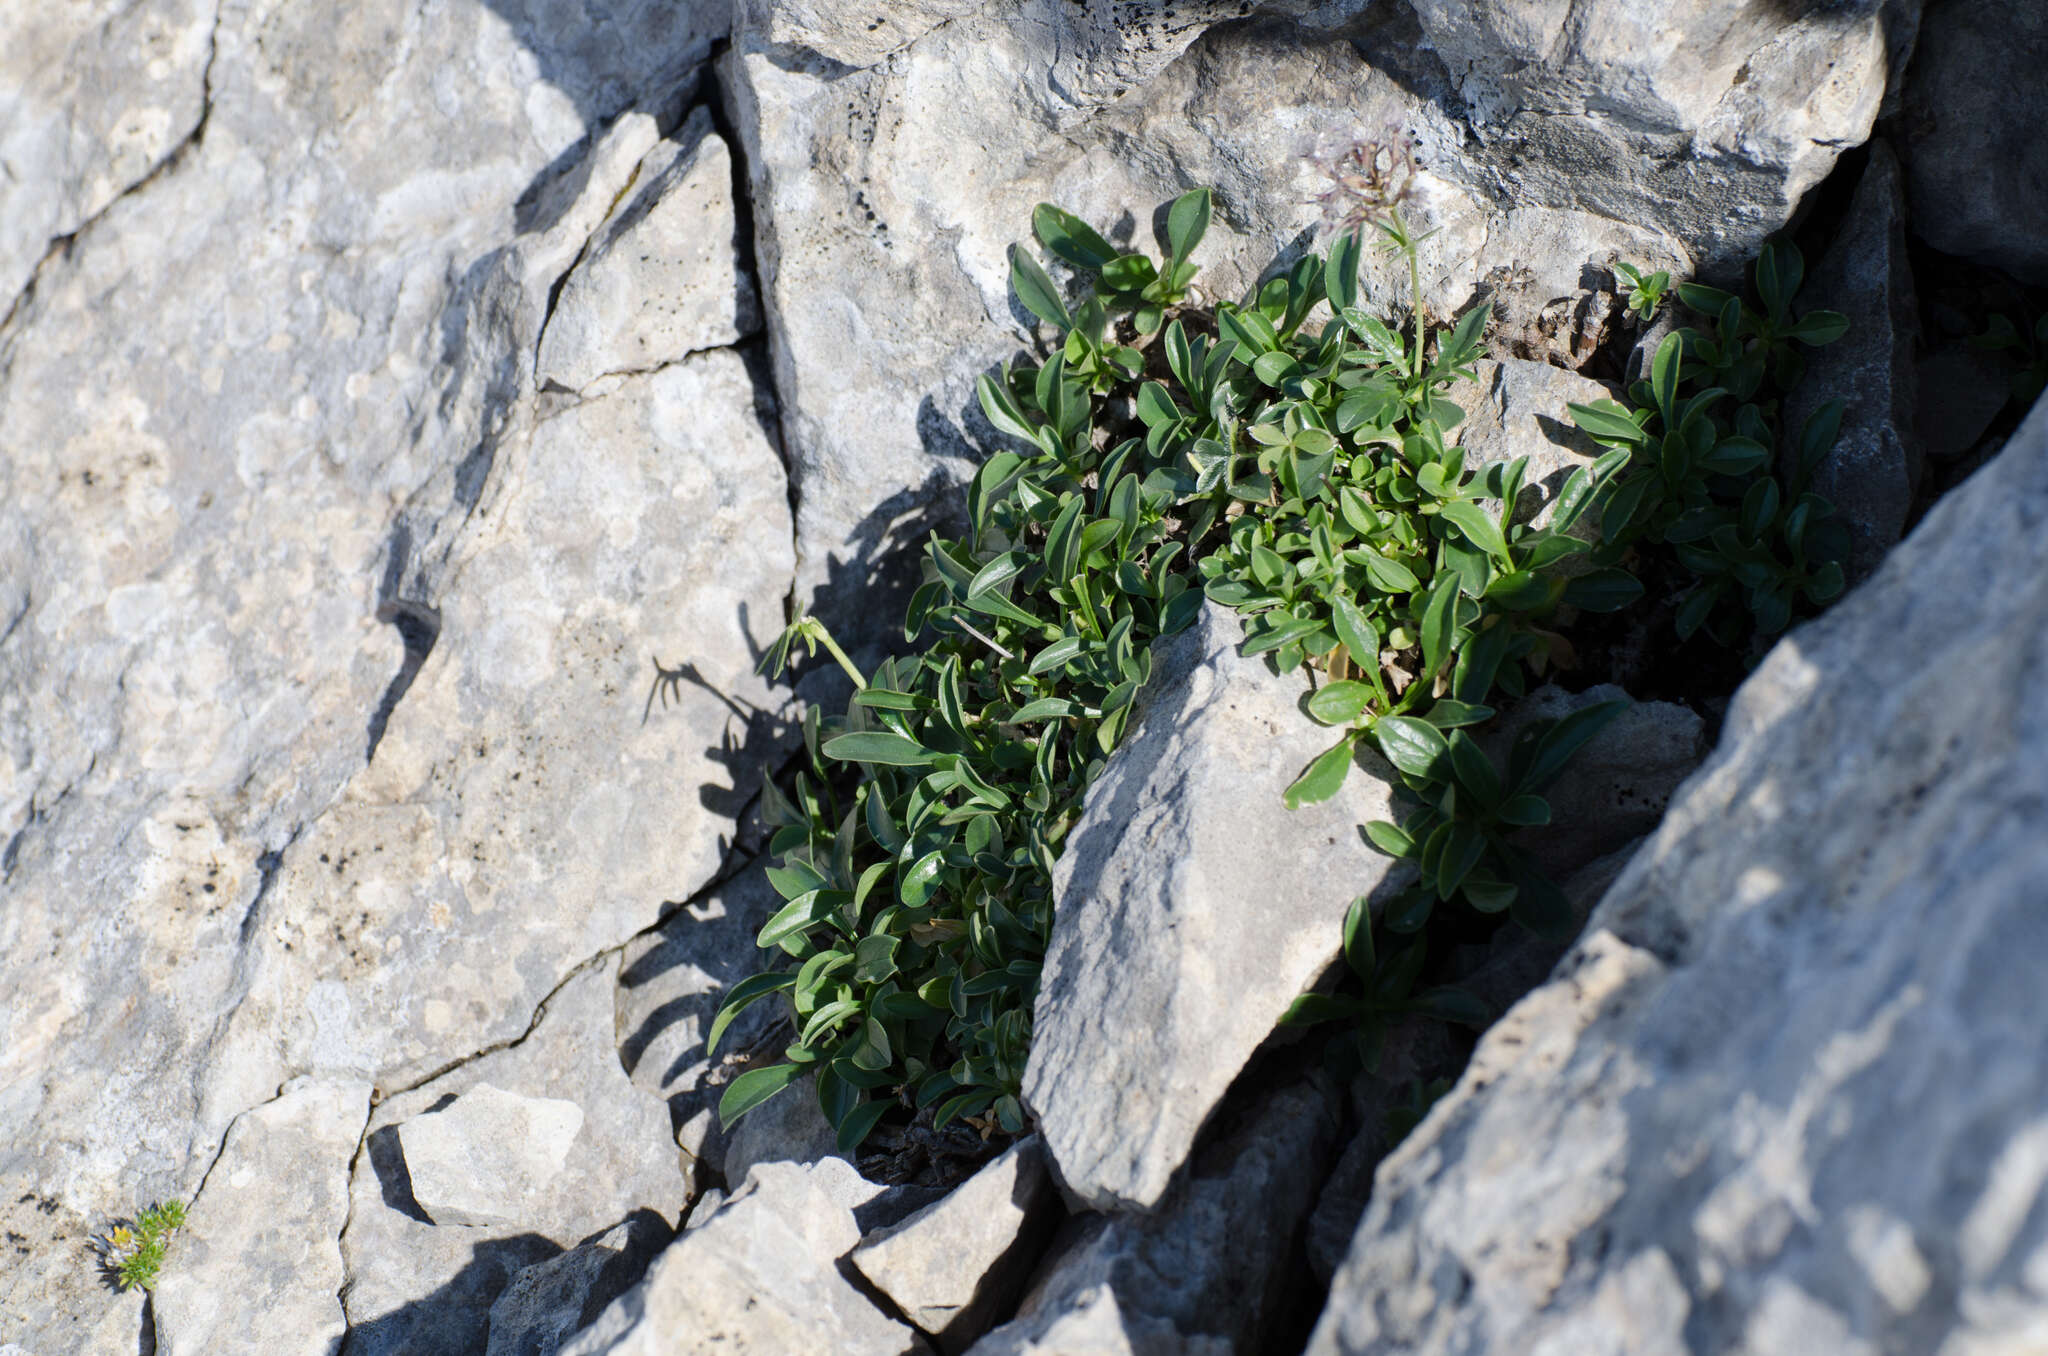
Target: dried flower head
x,y
1368,179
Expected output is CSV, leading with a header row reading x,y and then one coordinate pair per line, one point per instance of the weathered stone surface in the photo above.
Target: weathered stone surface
x,y
1093,1324
1220,1258
1616,787
418,1288
93,98
485,1157
1192,907
546,1304
1786,1095
671,981
758,1276
1739,112
257,1266
663,278
1873,471
260,400
962,1260
1977,171
1518,408
1958,391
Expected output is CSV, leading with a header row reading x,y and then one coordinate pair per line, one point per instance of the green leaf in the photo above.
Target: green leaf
x,y
1340,703
1323,777
1313,1008
1040,295
860,1123
1069,237
1450,714
1818,327
878,746
1474,769
1340,270
914,887
1045,708
1439,624
1479,528
1187,221
1605,590
1361,638
1609,422
1390,838
1463,847
1414,746
1128,272
742,996
754,1087
1390,576
1524,810
1448,1003
1556,746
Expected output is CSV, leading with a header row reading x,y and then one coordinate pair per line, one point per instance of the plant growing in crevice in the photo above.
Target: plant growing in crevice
x,y
133,1253
1300,471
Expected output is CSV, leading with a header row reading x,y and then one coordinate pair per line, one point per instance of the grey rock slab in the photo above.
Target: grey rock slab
x,y
1516,407
540,795
1191,908
484,1157
1875,467
759,1275
93,99
245,413
1219,1261
1786,1094
663,277
956,1264
671,982
257,1266
417,1287
1709,119
548,1302
1976,171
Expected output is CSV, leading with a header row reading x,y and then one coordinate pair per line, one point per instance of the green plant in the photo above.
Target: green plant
x,y
1386,990
133,1253
1700,430
1298,472
1645,290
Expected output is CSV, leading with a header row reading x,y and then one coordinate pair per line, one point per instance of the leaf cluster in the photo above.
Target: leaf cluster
x,y
1703,481
134,1253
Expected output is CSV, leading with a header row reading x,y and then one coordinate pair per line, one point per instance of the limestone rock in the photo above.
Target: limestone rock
x,y
1790,1080
1518,408
247,412
1219,1260
963,1259
486,1155
1873,471
663,277
547,1303
93,99
759,1275
1192,907
419,1288
257,1266
1094,1325
671,982
1976,170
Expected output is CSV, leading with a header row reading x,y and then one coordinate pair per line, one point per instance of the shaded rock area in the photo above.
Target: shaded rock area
x,y
1823,945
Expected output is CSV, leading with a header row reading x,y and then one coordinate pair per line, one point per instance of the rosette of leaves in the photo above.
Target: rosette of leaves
x,y
1700,431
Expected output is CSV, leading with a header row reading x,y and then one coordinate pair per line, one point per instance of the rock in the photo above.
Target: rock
x,y
1739,114
1875,467
272,389
671,982
98,97
1976,172
1192,907
964,1259
1958,391
418,1288
1218,1261
257,1266
485,1156
1093,1325
663,278
536,769
548,1302
1616,787
1518,408
1785,1095
760,1275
